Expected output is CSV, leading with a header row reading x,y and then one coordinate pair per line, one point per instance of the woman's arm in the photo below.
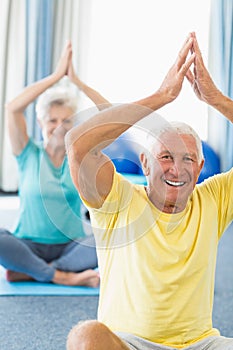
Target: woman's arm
x,y
15,108
100,102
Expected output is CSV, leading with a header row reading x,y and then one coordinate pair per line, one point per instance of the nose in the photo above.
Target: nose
x,y
176,167
60,124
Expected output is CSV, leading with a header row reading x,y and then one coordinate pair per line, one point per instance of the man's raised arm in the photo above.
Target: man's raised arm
x,y
91,170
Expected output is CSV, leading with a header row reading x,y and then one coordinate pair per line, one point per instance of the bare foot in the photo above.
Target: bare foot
x,y
13,276
89,278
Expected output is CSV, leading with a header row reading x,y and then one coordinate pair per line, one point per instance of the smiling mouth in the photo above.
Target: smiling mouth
x,y
174,183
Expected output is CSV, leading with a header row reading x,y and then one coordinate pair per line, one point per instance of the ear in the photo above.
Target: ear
x,y
200,169
201,165
145,164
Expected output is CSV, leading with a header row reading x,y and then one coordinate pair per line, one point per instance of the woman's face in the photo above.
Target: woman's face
x,y
58,121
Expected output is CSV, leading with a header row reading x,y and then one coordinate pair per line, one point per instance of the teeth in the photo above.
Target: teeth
x,y
175,183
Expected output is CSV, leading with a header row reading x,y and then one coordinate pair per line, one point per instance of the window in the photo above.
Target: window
x,y
133,43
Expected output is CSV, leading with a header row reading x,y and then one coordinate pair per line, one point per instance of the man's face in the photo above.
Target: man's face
x,y
172,171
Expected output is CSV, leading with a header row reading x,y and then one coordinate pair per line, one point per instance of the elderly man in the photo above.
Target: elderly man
x,y
157,244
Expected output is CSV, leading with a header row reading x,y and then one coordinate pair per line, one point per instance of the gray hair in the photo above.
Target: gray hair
x,y
179,128
55,96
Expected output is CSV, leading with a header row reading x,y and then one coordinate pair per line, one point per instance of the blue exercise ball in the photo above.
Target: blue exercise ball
x,y
212,162
123,154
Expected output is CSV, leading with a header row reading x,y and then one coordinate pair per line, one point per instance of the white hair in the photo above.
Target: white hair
x,y
179,128
55,96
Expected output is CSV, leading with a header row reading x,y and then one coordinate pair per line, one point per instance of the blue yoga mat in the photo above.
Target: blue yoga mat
x,y
37,288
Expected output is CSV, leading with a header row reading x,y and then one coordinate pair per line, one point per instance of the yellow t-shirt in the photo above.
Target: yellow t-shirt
x,y
157,270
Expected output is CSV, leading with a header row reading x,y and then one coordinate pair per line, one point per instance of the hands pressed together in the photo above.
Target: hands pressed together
x,y
199,78
65,64
189,64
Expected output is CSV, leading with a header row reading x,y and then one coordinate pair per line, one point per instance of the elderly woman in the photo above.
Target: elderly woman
x,y
48,243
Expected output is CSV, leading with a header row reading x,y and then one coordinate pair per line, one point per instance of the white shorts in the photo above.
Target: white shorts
x,y
210,343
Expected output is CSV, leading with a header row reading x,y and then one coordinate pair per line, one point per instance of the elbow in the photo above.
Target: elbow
x,y
10,108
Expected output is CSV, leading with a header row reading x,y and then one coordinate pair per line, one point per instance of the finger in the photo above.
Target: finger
x,y
196,90
193,34
68,43
69,52
197,50
199,67
186,66
67,48
190,77
187,44
183,53
188,37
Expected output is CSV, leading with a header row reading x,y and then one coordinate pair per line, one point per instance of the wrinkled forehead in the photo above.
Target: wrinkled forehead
x,y
173,142
58,111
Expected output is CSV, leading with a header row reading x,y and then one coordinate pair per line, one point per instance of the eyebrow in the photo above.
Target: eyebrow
x,y
192,155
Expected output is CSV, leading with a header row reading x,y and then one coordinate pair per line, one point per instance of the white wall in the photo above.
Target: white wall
x,y
132,44
9,211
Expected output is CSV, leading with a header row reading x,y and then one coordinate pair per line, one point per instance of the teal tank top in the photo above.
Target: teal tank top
x,y
50,206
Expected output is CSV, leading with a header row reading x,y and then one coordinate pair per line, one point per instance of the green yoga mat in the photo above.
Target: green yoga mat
x,y
38,288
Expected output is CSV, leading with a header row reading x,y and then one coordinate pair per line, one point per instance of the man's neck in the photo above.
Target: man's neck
x,y
165,207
